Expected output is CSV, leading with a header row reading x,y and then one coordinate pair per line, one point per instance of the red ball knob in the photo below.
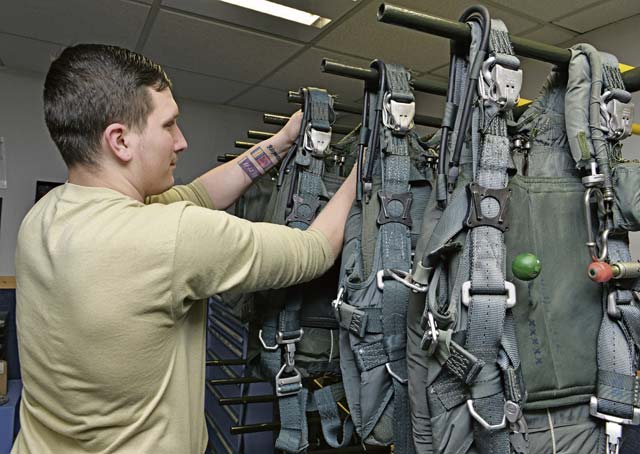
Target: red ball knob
x,y
600,272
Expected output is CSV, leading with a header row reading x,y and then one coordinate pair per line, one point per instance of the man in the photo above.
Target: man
x,y
111,322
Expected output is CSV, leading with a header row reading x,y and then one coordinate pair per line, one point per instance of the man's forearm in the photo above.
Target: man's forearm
x,y
333,217
227,182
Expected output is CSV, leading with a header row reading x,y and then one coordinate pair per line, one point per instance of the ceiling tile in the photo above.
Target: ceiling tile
x,y
27,54
546,10
218,50
200,87
364,36
550,34
304,71
263,22
266,100
600,14
69,22
619,38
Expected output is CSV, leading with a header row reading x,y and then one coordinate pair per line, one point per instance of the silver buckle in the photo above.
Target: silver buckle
x,y
593,409
613,425
281,382
316,141
398,116
281,340
616,116
499,84
508,286
337,303
482,421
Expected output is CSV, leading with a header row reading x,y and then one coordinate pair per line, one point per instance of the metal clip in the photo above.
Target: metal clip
x,y
616,112
595,179
398,116
405,278
612,306
429,341
604,235
316,141
593,409
396,376
508,286
499,84
336,303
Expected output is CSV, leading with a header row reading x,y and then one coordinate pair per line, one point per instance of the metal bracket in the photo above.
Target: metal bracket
x,y
616,114
479,193
303,211
384,216
316,141
398,116
499,84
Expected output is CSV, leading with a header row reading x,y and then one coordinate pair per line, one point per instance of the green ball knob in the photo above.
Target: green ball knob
x,y
526,266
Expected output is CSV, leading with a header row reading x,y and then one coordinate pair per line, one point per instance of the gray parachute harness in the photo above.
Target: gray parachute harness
x,y
602,114
372,300
468,335
301,186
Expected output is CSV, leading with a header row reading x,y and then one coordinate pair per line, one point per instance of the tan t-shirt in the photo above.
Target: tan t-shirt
x,y
111,323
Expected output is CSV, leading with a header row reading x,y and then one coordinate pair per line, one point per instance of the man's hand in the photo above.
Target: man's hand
x,y
291,130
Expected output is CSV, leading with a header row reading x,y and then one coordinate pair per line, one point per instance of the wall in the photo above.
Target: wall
x,y
31,155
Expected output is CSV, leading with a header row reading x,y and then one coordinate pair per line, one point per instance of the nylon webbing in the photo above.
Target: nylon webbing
x,y
488,302
394,247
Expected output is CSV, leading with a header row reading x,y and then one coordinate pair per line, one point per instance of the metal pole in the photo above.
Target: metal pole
x,y
246,399
425,120
272,119
227,157
432,86
234,381
226,362
260,135
242,144
457,31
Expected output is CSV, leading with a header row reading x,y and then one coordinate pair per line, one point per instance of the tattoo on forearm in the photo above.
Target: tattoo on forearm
x,y
258,162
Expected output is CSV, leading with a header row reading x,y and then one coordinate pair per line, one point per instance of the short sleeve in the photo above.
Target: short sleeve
x,y
193,192
217,252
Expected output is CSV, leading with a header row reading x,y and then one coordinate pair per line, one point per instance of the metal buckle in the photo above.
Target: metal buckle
x,y
386,199
613,425
429,341
593,409
281,340
316,141
404,277
482,421
616,116
398,116
612,306
508,286
282,382
499,84
336,303
595,179
476,218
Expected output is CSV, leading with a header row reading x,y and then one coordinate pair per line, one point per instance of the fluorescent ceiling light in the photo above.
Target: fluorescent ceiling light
x,y
284,12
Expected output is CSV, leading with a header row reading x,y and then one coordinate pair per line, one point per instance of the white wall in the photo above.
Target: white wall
x,y
31,155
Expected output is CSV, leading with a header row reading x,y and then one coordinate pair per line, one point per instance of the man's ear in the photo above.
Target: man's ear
x,y
117,142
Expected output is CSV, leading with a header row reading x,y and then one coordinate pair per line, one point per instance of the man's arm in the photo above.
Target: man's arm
x,y
333,217
226,183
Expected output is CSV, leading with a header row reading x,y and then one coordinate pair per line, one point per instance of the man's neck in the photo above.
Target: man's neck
x,y
103,178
